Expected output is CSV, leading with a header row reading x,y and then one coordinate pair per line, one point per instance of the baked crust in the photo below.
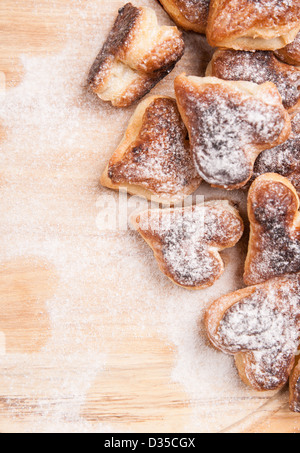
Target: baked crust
x,y
253,24
284,159
188,14
259,325
230,124
137,54
154,159
291,53
186,242
258,67
274,245
295,388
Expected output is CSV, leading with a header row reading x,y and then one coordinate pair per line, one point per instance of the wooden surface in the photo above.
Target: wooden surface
x,y
92,337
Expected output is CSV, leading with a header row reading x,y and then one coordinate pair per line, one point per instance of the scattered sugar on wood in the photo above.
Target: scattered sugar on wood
x,y
59,139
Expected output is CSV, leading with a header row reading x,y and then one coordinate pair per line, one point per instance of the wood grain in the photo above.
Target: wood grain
x,y
83,346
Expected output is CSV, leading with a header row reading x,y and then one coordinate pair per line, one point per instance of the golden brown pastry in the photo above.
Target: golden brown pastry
x,y
186,242
291,53
188,14
260,326
253,24
295,388
284,159
258,67
137,54
274,245
154,159
230,124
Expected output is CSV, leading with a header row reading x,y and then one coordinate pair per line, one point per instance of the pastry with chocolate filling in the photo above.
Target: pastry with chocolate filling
x,y
258,67
154,158
291,53
295,388
260,326
230,124
187,242
283,159
253,24
274,245
137,54
188,14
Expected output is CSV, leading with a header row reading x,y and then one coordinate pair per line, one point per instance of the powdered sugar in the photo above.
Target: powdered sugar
x,y
274,247
283,159
267,324
159,159
225,127
189,240
259,67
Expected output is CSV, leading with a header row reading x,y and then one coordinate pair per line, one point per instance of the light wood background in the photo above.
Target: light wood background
x,y
86,342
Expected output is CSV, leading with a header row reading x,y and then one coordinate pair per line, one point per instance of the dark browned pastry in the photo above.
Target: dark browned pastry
x,y
283,159
291,53
230,124
274,245
154,159
186,242
137,54
260,326
253,24
188,14
258,67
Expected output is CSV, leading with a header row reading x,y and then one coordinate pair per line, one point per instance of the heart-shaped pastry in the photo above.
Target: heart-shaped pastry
x,y
258,67
260,326
154,159
291,53
186,242
188,14
295,388
274,245
283,159
230,124
253,24
137,54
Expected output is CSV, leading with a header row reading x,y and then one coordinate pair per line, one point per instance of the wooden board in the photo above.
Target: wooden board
x,y
92,337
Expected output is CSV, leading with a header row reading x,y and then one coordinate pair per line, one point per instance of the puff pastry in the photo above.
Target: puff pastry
x,y
291,53
186,242
258,67
274,245
154,159
137,54
230,124
295,388
284,159
253,24
188,14
260,326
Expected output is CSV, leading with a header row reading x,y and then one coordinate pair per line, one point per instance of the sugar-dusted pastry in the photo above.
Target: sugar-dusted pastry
x,y
274,245
188,14
283,159
230,124
295,388
291,53
258,67
154,159
260,326
186,242
137,54
253,24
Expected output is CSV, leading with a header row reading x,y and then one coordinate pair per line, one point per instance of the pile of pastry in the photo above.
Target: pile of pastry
x,y
236,128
